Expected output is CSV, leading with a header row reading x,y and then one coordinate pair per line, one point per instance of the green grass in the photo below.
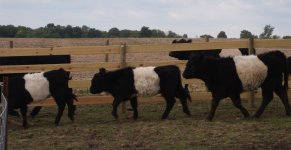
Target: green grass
x,y
95,128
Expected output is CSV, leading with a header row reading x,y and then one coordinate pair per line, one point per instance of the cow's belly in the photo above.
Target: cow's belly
x,y
37,86
146,81
251,71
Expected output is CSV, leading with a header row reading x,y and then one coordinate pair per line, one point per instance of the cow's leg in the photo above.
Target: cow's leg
x,y
133,102
170,103
182,95
282,93
13,113
35,111
115,104
186,87
267,97
23,111
214,104
237,103
71,109
61,108
70,103
187,93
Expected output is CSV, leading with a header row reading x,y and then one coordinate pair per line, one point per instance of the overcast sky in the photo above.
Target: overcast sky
x,y
192,17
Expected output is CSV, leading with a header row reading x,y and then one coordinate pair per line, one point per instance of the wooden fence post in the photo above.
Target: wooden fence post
x,y
107,55
5,78
10,44
251,93
206,39
5,91
122,65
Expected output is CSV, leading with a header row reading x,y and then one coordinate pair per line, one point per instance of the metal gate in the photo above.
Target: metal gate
x,y
3,121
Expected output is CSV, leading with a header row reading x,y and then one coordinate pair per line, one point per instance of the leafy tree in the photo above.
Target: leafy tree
x,y
61,30
276,37
268,31
93,33
45,32
244,34
145,32
77,32
68,31
125,33
85,30
206,35
221,34
128,33
172,34
287,37
113,32
57,31
185,36
50,25
158,33
8,31
51,31
23,32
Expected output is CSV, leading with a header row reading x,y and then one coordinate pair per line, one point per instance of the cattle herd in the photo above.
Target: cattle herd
x,y
224,76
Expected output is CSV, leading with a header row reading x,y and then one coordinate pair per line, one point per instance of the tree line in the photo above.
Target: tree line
x,y
266,34
57,31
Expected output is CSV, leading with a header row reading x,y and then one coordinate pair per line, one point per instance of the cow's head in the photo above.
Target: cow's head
x,y
181,55
98,83
182,41
194,67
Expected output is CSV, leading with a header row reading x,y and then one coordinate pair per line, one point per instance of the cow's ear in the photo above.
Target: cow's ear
x,y
102,70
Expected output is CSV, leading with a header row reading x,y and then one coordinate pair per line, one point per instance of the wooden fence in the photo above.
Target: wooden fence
x,y
122,50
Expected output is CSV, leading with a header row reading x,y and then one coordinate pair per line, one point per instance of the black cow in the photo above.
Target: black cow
x,y
228,77
34,87
129,83
28,60
185,55
289,64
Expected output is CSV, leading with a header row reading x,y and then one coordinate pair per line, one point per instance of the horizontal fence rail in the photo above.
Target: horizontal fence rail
x,y
69,67
82,50
187,46
124,49
89,50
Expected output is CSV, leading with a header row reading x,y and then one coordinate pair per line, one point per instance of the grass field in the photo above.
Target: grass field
x,y
95,128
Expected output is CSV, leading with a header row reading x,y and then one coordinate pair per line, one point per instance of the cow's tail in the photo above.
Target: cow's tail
x,y
74,97
70,103
188,93
286,74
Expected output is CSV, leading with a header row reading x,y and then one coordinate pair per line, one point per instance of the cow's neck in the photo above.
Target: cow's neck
x,y
208,75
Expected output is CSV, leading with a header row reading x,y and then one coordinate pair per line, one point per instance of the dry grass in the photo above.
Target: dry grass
x,y
95,128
